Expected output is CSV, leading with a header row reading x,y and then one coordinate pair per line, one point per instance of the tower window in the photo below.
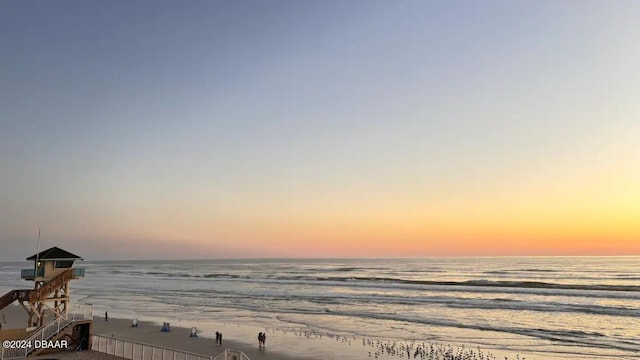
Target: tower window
x,y
63,264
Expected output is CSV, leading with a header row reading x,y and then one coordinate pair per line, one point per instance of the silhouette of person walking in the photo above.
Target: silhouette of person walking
x,y
262,337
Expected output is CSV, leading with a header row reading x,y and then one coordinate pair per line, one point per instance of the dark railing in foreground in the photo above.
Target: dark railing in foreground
x,y
132,350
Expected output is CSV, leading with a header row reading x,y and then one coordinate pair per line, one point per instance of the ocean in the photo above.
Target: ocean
x,y
533,307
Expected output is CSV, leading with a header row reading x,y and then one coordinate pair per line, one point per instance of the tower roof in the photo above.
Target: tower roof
x,y
55,253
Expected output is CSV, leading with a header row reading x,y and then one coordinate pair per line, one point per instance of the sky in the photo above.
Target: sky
x,y
248,129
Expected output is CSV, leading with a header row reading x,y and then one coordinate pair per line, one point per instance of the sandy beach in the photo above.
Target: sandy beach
x,y
149,333
358,180
281,345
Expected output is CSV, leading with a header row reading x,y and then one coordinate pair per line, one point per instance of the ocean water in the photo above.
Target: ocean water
x,y
535,307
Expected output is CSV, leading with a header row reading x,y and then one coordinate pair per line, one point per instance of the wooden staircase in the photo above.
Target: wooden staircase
x,y
8,298
38,294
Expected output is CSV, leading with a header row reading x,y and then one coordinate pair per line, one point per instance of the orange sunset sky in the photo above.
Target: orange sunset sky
x,y
320,129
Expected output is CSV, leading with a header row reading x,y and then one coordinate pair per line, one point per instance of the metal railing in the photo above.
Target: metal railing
x,y
78,272
49,330
132,350
29,274
229,354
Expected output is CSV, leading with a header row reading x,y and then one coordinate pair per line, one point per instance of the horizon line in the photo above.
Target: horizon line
x,y
352,258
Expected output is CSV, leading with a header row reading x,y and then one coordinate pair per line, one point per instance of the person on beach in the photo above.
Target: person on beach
x,y
106,316
259,340
221,339
217,337
264,339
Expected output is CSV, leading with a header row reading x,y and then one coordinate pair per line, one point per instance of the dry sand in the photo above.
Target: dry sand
x,y
178,338
147,333
13,317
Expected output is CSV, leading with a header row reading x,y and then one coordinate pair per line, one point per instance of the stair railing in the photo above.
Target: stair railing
x,y
46,332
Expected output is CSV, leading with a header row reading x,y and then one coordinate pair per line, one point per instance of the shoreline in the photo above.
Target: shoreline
x,y
281,344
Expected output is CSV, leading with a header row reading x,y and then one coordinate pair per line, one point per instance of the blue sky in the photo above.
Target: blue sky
x,y
151,123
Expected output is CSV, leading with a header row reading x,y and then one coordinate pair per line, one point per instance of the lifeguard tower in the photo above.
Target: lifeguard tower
x,y
51,316
51,274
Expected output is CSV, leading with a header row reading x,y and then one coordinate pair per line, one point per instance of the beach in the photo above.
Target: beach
x,y
309,346
178,338
147,333
535,308
378,180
